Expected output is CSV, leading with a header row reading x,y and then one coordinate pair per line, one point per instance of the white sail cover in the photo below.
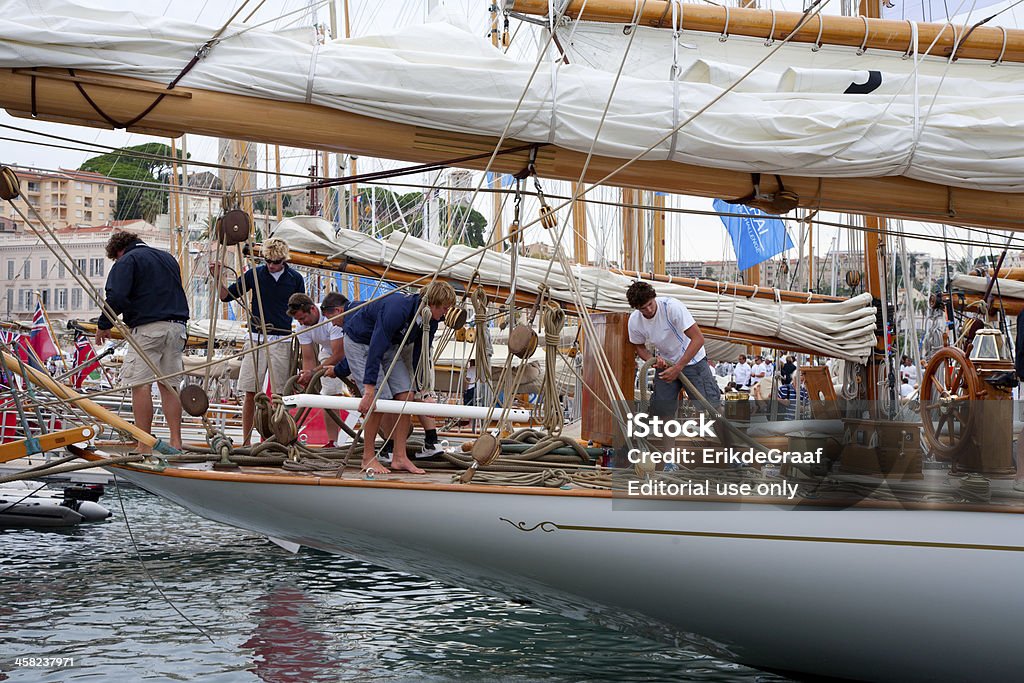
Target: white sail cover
x,y
926,118
843,329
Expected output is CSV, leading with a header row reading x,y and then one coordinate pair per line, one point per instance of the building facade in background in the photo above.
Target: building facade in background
x,y
29,268
65,198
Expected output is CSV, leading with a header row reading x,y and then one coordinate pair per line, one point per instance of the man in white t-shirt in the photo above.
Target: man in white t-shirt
x,y
321,343
668,326
908,370
906,389
741,373
759,371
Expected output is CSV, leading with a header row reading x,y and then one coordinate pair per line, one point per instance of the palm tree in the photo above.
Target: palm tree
x,y
151,204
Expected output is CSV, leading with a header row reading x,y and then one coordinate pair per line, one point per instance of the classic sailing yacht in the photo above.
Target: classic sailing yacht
x,y
860,589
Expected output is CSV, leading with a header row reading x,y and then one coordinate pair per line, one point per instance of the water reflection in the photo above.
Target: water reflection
x,y
281,618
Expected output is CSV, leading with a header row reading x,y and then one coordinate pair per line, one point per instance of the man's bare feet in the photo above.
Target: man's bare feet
x,y
375,467
406,464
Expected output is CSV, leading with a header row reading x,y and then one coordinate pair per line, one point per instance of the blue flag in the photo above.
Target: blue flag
x,y
507,180
756,237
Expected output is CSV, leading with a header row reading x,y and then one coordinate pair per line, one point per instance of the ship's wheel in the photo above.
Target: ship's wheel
x,y
948,387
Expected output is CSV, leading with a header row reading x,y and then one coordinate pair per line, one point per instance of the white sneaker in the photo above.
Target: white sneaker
x,y
429,451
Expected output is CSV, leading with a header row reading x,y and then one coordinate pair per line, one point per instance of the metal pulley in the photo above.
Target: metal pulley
x,y
10,186
852,279
234,227
194,400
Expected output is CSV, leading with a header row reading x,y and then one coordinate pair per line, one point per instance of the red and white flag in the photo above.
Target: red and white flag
x,y
40,338
83,354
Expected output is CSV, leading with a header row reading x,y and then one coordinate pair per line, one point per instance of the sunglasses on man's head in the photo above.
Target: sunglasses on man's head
x,y
275,261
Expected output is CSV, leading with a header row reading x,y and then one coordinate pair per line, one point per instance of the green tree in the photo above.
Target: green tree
x,y
151,205
405,212
135,167
469,226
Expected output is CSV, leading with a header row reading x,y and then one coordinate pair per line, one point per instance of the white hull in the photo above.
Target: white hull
x,y
881,595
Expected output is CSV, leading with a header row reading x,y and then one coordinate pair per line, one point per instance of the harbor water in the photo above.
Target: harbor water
x,y
158,594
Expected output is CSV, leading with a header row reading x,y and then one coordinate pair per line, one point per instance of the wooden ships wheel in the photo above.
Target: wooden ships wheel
x,y
948,387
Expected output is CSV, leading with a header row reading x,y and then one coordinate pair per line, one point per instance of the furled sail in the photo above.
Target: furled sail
x,y
841,329
824,113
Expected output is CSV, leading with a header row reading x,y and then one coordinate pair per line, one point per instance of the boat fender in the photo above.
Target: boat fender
x,y
92,512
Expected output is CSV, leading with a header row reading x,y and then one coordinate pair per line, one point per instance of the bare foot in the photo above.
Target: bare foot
x,y
375,467
406,464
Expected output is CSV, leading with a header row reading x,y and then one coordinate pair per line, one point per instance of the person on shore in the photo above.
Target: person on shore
x,y
788,368
667,325
788,397
321,343
469,394
906,389
144,287
374,348
908,370
741,373
269,286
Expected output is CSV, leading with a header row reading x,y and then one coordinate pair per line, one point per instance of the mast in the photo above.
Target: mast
x,y
874,269
579,226
497,226
658,237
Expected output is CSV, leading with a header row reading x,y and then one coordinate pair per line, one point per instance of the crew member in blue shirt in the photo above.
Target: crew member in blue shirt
x,y
268,309
373,345
144,287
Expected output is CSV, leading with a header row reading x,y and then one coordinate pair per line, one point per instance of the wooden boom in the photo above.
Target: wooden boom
x,y
983,42
315,127
61,391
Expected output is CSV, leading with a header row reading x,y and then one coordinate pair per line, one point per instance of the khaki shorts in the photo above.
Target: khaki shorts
x,y
252,376
163,342
400,380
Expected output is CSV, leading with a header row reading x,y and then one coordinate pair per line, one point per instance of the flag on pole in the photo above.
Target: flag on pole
x,y
83,354
8,343
26,353
756,236
39,338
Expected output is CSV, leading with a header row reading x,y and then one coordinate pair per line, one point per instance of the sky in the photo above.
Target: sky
x,y
689,237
